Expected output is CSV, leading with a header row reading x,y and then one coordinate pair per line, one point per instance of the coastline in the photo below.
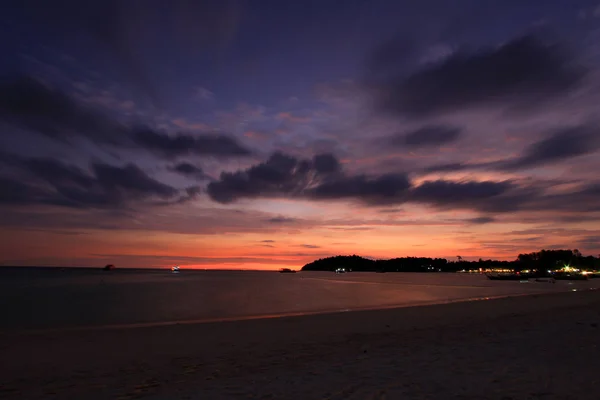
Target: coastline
x,y
195,359
331,312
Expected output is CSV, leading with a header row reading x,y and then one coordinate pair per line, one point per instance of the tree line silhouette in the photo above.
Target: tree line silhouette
x,y
542,260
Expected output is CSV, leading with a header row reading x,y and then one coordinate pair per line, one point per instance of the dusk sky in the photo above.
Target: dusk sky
x,y
266,134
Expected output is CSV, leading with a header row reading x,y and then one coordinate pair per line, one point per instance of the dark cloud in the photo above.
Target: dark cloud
x,y
310,246
190,171
14,191
481,220
267,241
280,175
590,242
389,188
320,178
428,136
29,104
171,146
526,70
131,179
193,191
592,189
447,167
582,200
51,182
486,196
326,163
281,220
286,176
562,145
456,192
188,194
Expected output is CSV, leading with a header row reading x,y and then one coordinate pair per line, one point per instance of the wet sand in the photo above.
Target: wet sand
x,y
529,347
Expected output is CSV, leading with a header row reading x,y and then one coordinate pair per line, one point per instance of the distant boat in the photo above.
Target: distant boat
x,y
286,271
175,269
108,267
340,271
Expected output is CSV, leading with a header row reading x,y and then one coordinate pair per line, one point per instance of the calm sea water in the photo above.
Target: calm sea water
x,y
42,298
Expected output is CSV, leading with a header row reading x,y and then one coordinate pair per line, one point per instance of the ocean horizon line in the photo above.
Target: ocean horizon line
x,y
134,268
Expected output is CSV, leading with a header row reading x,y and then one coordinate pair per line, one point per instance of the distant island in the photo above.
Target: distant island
x,y
544,260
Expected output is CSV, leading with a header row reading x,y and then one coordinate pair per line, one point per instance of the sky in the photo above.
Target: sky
x,y
267,134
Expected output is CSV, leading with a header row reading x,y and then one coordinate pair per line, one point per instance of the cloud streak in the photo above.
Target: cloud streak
x,y
286,176
558,146
29,104
562,145
181,144
526,70
47,181
283,175
190,170
427,136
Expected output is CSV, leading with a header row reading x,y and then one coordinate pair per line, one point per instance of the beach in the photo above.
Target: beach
x,y
540,346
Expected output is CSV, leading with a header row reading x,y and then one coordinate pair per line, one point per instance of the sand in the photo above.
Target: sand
x,y
529,347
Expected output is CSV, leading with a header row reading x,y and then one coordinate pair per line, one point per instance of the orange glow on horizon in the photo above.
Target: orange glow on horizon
x,y
250,251
308,231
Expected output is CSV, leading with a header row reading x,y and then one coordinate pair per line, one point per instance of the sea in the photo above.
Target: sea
x,y
33,299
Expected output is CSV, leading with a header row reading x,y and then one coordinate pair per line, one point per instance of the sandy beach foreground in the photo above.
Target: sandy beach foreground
x,y
530,347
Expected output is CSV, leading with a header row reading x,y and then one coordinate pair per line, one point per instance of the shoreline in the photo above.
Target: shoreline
x,y
156,324
209,358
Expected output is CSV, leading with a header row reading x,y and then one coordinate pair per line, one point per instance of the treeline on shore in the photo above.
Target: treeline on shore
x,y
540,260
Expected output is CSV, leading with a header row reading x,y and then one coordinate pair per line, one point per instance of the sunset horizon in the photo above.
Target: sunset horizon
x,y
232,135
